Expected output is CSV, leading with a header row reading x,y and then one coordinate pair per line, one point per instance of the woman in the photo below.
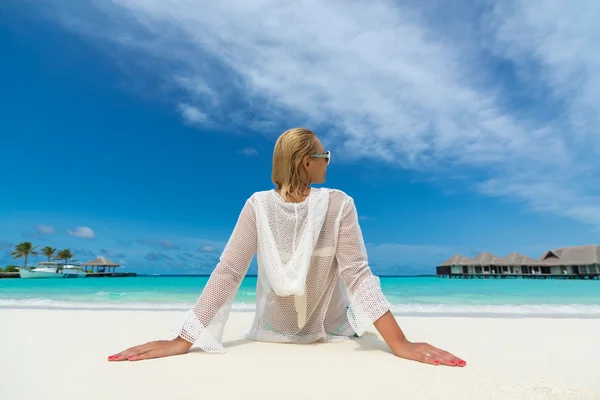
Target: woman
x,y
314,282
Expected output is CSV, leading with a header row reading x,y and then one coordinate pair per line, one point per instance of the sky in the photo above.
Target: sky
x,y
137,129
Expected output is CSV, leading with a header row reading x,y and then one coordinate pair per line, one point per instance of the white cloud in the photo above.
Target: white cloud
x,y
82,232
249,151
394,85
555,48
160,243
47,229
167,243
192,114
207,248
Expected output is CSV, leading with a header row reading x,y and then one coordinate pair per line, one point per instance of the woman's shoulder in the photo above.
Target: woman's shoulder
x,y
338,199
335,195
260,195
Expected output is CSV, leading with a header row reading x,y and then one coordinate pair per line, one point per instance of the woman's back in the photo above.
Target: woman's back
x,y
299,296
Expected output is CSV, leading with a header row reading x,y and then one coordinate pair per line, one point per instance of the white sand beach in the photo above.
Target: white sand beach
x,y
62,354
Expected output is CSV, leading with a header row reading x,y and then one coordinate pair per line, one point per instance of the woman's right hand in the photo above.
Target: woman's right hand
x,y
426,353
156,349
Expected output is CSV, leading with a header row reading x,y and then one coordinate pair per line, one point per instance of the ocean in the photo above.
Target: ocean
x,y
412,296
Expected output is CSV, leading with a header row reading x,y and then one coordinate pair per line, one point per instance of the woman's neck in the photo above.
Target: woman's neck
x,y
297,196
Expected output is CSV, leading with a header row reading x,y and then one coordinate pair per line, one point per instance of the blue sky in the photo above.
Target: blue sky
x,y
136,130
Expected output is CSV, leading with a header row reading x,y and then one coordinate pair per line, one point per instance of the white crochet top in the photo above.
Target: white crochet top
x,y
314,282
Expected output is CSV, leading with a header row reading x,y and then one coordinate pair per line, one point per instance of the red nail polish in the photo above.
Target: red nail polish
x,y
436,361
453,362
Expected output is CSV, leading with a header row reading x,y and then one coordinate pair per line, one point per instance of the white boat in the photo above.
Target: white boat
x,y
47,269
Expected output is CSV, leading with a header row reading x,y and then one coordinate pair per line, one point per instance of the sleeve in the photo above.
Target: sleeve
x,y
203,325
367,302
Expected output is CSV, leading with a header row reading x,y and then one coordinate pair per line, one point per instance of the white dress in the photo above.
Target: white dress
x,y
314,282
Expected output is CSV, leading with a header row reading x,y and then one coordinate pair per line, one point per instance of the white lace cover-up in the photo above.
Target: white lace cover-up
x,y
314,282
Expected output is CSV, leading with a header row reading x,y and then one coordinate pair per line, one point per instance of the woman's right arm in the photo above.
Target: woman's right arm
x,y
204,323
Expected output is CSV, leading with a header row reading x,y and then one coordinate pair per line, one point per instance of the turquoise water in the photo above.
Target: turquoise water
x,y
408,295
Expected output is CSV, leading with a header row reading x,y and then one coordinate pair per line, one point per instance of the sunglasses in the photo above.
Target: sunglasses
x,y
326,156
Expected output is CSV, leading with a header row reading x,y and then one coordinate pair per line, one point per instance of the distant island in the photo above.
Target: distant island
x,y
53,269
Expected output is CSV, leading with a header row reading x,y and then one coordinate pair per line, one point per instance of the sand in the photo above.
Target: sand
x,y
62,354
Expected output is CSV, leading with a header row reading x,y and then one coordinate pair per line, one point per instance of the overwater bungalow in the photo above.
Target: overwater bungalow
x,y
103,268
579,262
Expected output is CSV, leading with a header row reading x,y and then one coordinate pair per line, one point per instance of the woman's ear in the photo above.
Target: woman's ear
x,y
306,161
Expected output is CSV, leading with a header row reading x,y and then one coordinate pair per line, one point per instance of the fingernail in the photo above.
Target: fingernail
x,y
436,361
129,358
453,362
462,363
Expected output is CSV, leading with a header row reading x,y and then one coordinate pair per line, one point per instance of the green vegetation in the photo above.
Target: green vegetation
x,y
64,255
49,252
24,250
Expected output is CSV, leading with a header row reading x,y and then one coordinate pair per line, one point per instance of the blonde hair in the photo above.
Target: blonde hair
x,y
291,147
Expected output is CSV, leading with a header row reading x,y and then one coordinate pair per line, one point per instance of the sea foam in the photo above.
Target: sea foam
x,y
411,309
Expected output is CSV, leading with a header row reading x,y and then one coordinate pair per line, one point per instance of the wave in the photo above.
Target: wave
x,y
412,309
103,293
499,310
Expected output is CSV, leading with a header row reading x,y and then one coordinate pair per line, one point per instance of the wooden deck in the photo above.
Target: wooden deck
x,y
110,274
521,276
90,275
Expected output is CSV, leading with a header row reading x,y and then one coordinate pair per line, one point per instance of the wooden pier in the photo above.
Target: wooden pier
x,y
109,274
89,275
521,276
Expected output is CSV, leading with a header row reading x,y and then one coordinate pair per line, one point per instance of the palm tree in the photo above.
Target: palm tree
x,y
49,252
24,249
64,255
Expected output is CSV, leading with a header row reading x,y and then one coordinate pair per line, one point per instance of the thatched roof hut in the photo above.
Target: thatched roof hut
x,y
516,259
566,256
485,259
100,262
577,255
457,259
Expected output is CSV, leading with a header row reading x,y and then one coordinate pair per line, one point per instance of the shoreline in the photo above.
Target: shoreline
x,y
506,359
417,310
474,315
